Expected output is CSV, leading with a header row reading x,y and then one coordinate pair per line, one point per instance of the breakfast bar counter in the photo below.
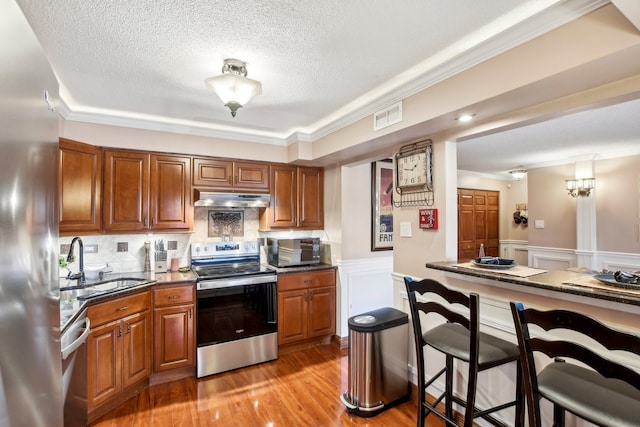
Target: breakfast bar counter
x,y
574,289
579,282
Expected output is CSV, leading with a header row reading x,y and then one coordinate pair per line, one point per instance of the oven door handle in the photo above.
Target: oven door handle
x,y
236,281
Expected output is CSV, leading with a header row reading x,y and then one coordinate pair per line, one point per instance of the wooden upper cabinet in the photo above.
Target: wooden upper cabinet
x,y
79,187
170,194
228,175
310,198
297,198
146,191
126,190
283,209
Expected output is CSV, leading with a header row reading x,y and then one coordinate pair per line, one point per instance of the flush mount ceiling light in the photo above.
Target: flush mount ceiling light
x,y
518,174
233,87
464,118
580,187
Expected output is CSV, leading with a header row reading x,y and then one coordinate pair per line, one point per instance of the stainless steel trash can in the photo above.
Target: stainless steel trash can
x,y
378,349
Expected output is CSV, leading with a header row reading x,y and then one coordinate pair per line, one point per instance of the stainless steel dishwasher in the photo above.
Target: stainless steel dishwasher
x,y
74,371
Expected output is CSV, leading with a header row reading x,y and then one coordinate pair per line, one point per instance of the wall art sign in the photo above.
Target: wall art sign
x,y
382,205
428,219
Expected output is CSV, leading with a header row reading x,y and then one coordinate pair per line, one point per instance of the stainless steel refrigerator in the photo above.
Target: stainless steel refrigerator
x,y
30,358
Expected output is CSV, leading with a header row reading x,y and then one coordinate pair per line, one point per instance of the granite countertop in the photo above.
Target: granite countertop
x,y
566,281
304,268
73,301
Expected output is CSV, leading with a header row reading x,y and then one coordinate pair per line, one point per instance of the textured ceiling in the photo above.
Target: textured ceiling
x,y
149,58
322,64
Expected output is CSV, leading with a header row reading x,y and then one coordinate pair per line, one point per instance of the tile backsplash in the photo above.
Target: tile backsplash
x,y
125,252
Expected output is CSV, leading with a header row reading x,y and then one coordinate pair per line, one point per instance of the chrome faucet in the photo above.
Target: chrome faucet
x,y
79,276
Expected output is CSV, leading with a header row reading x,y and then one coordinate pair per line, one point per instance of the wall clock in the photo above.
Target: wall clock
x,y
413,173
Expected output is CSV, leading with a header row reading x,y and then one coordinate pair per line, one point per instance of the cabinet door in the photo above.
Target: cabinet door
x,y
253,176
104,363
173,337
79,186
170,192
212,173
136,356
126,190
322,313
292,316
310,198
283,207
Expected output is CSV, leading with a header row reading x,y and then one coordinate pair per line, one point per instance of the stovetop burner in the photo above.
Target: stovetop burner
x,y
230,270
227,259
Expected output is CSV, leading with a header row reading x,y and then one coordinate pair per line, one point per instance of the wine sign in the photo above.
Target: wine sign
x,y
428,219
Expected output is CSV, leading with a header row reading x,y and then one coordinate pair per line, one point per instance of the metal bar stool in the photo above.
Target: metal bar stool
x,y
603,392
459,338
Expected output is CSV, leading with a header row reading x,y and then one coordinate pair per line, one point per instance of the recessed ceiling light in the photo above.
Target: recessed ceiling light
x,y
465,118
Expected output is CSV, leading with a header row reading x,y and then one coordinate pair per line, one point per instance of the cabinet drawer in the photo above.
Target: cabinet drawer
x,y
118,308
174,295
292,281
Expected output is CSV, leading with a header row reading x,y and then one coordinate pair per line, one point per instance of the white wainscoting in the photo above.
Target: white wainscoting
x,y
561,259
516,250
365,285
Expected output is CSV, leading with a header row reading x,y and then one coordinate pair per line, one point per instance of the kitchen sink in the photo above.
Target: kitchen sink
x,y
105,286
116,283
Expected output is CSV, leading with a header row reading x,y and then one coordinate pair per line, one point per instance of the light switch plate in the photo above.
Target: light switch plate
x,y
405,229
539,223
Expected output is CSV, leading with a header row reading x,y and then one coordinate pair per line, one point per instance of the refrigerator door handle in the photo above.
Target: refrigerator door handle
x,y
78,342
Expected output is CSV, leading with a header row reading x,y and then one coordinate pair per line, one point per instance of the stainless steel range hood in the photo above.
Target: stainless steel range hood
x,y
230,200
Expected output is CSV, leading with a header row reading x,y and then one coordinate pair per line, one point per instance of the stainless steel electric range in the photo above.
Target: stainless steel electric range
x,y
236,313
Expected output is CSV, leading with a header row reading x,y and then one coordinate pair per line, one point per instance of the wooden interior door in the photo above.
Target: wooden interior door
x,y
466,228
478,223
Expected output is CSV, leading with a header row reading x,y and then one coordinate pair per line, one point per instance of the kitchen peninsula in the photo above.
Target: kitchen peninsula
x,y
570,282
571,289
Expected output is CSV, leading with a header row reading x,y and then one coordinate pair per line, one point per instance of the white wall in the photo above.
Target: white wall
x,y
364,276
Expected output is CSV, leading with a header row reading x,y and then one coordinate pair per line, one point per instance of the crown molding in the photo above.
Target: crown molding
x,y
377,99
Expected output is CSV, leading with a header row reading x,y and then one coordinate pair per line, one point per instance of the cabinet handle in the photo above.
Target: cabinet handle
x,y
308,281
311,293
153,221
230,180
144,221
190,313
128,328
122,308
236,179
174,297
306,297
119,330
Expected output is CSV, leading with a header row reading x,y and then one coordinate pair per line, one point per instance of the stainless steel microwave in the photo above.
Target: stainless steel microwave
x,y
291,252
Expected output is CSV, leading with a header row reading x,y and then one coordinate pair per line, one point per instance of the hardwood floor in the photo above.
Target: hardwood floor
x,y
300,388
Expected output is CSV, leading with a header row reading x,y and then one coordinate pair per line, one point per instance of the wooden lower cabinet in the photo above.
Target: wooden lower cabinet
x,y
306,306
173,330
118,350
